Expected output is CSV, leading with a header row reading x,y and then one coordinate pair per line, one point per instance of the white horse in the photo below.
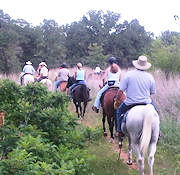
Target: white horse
x,y
47,82
28,78
142,129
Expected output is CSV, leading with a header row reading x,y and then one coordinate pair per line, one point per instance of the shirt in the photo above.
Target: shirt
x,y
138,85
113,76
63,74
28,69
80,75
44,71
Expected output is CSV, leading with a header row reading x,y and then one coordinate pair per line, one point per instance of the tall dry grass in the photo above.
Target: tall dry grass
x,y
167,97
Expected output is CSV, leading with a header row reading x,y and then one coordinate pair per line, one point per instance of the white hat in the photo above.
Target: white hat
x,y
141,63
79,65
28,62
43,63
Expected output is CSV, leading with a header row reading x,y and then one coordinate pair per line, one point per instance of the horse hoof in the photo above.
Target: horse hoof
x,y
105,134
129,162
111,140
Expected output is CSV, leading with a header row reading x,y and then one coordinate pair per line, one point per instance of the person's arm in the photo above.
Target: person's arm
x,y
120,76
75,75
105,76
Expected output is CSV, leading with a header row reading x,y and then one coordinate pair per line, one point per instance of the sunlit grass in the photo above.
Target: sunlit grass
x,y
106,162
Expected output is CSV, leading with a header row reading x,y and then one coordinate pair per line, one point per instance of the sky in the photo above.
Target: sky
x,y
155,15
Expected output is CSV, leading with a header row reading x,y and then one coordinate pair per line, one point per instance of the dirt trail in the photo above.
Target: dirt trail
x,y
115,148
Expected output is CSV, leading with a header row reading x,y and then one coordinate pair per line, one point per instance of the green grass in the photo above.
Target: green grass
x,y
105,162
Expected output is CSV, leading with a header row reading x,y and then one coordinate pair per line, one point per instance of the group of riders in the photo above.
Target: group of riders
x,y
42,71
137,84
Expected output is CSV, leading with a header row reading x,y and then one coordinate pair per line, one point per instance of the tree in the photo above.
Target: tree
x,y
167,58
96,56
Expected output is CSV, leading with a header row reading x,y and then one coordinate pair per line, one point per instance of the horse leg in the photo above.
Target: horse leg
x,y
103,121
129,162
80,107
152,150
139,158
84,109
76,105
111,124
115,121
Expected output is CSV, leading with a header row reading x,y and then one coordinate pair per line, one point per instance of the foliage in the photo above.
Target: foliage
x,y
166,57
96,56
39,135
89,40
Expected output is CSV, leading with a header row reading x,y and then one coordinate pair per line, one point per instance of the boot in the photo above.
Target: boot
x,y
95,109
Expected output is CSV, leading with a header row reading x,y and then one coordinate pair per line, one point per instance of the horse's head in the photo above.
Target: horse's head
x,y
71,81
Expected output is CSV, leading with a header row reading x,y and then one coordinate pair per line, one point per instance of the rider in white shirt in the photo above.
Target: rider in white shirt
x,y
112,77
43,71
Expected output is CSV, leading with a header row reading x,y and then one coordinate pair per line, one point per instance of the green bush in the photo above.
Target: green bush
x,y
40,135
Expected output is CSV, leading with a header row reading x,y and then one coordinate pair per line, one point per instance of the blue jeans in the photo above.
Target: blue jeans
x,y
122,110
56,84
74,85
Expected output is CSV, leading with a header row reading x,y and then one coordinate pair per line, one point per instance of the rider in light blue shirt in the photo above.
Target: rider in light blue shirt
x,y
79,76
28,68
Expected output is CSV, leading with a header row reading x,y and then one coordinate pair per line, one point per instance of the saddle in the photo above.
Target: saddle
x,y
128,109
111,87
79,85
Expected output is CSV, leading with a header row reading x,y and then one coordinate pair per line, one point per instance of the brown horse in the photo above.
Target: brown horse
x,y
62,86
107,103
80,94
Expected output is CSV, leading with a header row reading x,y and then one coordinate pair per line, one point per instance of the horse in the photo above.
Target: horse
x,y
62,86
142,129
80,94
27,78
107,103
48,83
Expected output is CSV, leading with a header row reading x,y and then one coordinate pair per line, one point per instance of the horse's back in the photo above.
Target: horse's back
x,y
107,100
108,96
80,93
48,83
62,86
135,118
28,78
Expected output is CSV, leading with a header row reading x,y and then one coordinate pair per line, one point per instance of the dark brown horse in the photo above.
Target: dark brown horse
x,y
80,95
107,103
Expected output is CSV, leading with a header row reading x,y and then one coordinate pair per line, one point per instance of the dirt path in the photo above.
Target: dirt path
x,y
115,148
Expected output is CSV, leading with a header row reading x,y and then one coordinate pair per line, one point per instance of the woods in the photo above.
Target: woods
x,y
91,40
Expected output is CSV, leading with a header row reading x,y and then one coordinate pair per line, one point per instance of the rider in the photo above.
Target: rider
x,y
27,69
139,86
80,78
43,71
111,77
97,70
62,76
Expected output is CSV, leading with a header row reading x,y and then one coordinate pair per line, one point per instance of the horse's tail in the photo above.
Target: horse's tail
x,y
85,92
147,128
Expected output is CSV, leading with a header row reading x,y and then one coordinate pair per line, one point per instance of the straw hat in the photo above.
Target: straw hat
x,y
141,63
42,64
28,62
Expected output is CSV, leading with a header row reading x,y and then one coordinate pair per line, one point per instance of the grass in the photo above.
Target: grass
x,y
105,162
